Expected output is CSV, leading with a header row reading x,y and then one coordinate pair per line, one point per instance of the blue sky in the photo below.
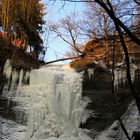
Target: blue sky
x,y
55,11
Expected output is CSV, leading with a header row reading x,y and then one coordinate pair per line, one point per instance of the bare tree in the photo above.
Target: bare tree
x,y
67,29
96,22
121,28
137,1
137,17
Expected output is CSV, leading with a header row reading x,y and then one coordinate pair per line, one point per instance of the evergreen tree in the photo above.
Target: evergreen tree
x,y
25,17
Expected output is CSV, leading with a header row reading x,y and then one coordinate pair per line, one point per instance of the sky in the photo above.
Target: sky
x,y
55,11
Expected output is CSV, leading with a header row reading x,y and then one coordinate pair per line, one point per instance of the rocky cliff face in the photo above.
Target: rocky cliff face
x,y
19,60
106,107
131,121
99,49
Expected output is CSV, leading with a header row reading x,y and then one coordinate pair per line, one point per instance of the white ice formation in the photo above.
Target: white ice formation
x,y
120,77
51,106
90,73
7,69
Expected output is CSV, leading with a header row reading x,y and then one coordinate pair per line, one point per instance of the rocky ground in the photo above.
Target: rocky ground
x,y
107,107
11,130
131,121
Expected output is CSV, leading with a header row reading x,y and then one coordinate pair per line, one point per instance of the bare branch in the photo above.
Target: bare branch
x,y
137,2
67,30
119,22
62,59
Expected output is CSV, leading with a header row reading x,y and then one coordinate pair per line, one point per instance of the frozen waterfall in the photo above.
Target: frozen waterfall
x,y
51,107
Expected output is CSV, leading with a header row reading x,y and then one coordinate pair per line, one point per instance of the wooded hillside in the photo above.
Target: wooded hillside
x,y
21,23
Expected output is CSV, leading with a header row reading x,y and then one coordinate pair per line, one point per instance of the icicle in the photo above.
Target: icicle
x,y
120,75
7,69
90,73
20,78
27,77
132,71
123,77
14,80
102,64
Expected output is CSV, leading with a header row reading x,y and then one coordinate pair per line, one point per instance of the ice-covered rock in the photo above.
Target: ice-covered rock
x,y
51,106
131,121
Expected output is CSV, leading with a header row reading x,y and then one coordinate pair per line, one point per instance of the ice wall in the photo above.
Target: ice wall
x,y
51,105
120,77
